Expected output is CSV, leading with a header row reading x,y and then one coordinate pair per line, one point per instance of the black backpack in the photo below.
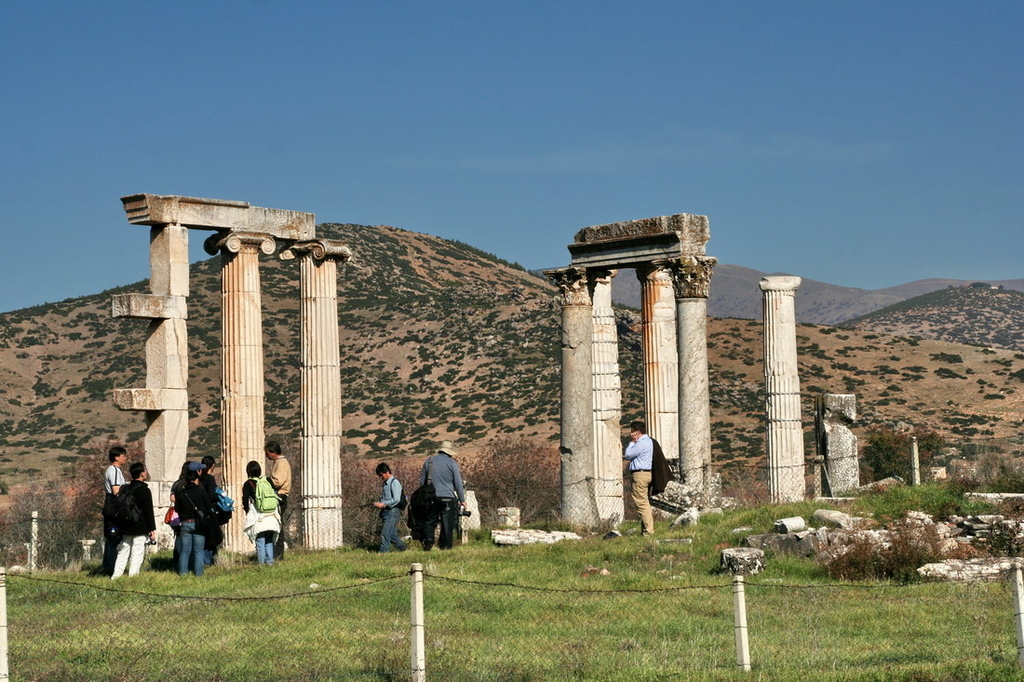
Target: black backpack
x,y
126,508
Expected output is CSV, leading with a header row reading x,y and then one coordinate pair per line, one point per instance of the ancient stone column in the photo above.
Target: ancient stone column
x,y
837,444
164,399
691,281
577,407
607,403
242,387
661,357
782,391
320,383
915,462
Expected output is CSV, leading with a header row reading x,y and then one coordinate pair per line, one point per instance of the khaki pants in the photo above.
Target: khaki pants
x,y
640,481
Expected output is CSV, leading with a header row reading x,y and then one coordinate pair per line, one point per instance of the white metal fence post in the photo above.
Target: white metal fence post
x,y
1018,608
419,658
33,550
5,671
739,602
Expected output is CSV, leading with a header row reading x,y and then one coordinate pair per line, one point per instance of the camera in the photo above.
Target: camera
x,y
465,512
150,542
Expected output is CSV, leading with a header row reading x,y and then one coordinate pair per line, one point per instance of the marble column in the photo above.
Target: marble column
x,y
320,392
661,357
691,280
782,391
242,387
607,403
577,406
164,400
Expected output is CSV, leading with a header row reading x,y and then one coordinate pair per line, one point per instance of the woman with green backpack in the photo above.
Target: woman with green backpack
x,y
262,521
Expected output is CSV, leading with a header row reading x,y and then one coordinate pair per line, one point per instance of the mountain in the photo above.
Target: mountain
x,y
440,340
971,315
735,293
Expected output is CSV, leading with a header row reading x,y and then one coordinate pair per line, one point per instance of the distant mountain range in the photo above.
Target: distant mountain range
x,y
440,340
735,293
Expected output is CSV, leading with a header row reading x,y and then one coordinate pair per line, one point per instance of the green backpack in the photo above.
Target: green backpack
x,y
266,498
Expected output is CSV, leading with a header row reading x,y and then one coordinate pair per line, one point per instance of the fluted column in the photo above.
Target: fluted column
x,y
691,280
577,405
782,391
320,397
607,402
242,387
660,356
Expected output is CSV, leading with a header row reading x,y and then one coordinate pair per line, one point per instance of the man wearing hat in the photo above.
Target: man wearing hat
x,y
443,472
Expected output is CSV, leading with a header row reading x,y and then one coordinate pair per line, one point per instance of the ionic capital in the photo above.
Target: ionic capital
x,y
235,242
574,286
318,249
691,275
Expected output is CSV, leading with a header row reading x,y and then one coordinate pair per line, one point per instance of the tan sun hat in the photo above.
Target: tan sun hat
x,y
447,447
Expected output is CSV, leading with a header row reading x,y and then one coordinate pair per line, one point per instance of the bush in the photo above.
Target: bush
x,y
909,546
515,472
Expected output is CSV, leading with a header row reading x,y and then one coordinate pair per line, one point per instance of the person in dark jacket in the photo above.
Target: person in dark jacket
x,y
132,548
215,536
195,512
443,472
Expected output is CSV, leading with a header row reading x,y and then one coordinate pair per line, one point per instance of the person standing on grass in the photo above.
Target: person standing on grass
x,y
113,479
279,471
194,512
132,549
640,455
443,471
390,509
261,525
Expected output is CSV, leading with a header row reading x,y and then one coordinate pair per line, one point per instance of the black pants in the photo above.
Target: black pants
x,y
445,513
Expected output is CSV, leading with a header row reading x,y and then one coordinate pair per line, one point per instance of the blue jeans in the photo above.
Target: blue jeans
x,y
192,545
265,547
389,534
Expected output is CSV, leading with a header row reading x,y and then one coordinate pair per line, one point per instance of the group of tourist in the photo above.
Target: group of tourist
x,y
196,515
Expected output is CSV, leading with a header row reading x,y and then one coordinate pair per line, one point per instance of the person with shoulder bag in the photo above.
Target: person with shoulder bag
x,y
195,512
391,504
262,521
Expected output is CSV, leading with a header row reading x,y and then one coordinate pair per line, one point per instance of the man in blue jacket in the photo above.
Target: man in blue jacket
x,y
390,509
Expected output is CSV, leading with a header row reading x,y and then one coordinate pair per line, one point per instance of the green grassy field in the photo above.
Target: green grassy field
x,y
631,608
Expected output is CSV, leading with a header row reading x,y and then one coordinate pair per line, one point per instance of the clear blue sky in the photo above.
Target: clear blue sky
x,y
859,143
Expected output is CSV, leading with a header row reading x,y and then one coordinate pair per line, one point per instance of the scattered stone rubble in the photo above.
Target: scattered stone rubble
x,y
523,536
838,531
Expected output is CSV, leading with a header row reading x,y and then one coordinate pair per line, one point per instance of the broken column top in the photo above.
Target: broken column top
x,y
634,242
218,214
780,283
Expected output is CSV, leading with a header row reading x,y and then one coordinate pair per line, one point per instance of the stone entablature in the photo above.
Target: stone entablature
x,y
218,214
633,243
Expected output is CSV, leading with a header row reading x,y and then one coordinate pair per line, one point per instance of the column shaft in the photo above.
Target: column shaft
x,y
661,357
782,391
607,404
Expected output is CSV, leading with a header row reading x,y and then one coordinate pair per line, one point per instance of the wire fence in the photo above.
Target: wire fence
x,y
421,625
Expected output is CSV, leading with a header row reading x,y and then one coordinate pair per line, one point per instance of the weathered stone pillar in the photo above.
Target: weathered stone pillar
x,y
782,391
577,407
607,403
915,462
837,445
661,357
164,399
691,280
320,397
242,387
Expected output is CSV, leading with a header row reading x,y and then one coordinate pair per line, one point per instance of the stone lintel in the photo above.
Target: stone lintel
x,y
148,399
150,306
630,242
218,214
627,253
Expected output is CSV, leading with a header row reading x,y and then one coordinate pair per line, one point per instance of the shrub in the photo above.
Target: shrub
x,y
908,546
515,472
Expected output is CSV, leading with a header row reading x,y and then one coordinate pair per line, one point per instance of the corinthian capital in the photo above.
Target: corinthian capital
x,y
691,275
319,249
574,286
234,242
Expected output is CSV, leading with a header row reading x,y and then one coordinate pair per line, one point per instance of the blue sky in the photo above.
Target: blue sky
x,y
861,143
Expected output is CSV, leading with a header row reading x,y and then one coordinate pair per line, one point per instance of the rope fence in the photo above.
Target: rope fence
x,y
447,627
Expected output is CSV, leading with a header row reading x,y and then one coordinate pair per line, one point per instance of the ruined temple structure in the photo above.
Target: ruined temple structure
x,y
240,234
668,253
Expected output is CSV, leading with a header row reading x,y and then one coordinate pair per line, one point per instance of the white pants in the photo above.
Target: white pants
x,y
133,546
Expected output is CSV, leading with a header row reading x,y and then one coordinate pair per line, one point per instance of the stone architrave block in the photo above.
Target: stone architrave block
x,y
517,536
509,517
970,570
218,214
146,399
742,561
149,306
636,242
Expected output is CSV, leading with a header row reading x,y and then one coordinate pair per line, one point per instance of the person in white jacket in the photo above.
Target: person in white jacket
x,y
262,527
